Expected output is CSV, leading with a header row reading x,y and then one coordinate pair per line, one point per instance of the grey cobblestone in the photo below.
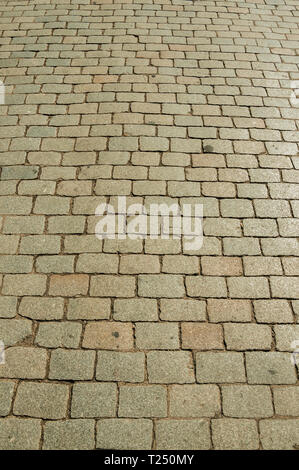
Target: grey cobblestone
x,y
136,433
76,434
41,400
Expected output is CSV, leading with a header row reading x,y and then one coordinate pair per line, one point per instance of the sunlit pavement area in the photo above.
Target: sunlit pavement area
x,y
141,343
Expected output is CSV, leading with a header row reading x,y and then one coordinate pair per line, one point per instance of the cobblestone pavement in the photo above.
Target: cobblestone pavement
x,y
140,344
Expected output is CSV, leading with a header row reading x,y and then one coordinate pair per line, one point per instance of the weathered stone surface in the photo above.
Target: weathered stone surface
x,y
72,364
142,401
201,336
42,308
157,335
136,433
194,401
120,366
108,335
161,285
247,401
183,434
24,363
270,368
219,367
93,400
58,335
181,309
286,401
15,331
170,367
41,400
6,395
135,310
20,433
73,434
279,434
235,434
88,309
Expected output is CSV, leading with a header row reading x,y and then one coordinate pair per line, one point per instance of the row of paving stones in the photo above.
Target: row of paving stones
x,y
158,285
99,400
140,434
147,335
150,264
162,366
269,311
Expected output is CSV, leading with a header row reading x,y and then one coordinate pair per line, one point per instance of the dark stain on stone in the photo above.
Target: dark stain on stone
x,y
115,334
208,149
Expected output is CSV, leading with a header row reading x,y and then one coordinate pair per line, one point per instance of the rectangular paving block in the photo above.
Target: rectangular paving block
x,y
112,286
247,336
97,263
227,310
200,286
71,434
285,287
161,285
220,367
42,308
42,400
182,309
177,264
137,264
55,264
286,337
248,287
6,396
120,366
88,309
170,367
15,331
142,401
224,266
23,362
93,400
24,284
270,368
135,310
273,311
72,364
20,433
159,335
108,335
69,285
194,401
136,433
40,244
202,336
286,400
8,306
247,401
58,335
183,434
279,434
235,434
